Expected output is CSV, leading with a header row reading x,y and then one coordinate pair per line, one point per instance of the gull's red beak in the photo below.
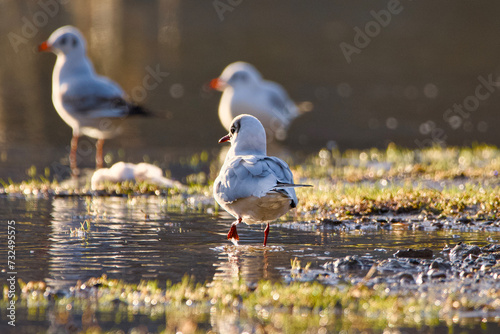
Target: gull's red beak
x,y
217,84
225,139
44,47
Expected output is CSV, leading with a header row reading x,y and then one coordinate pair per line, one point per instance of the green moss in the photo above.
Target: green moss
x,y
340,199
276,306
434,163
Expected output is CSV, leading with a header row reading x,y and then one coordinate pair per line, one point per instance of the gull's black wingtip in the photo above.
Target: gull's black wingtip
x,y
137,110
292,185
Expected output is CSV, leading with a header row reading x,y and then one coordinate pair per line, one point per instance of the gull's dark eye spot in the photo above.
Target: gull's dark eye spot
x,y
234,128
240,76
63,41
74,42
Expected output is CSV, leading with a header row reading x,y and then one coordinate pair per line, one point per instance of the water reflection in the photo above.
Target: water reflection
x,y
130,239
143,238
248,263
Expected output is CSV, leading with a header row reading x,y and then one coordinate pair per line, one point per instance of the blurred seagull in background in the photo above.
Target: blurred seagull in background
x,y
91,104
246,92
252,186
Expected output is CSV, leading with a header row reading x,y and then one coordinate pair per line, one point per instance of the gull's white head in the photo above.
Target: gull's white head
x,y
247,136
67,41
236,74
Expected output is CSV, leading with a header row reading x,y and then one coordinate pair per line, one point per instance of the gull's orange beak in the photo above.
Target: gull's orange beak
x,y
44,47
225,139
217,84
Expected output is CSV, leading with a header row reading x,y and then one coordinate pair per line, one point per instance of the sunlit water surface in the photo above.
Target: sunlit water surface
x,y
62,240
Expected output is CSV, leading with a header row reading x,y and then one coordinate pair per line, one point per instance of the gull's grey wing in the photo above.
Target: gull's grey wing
x,y
94,97
254,176
279,99
284,180
278,89
277,103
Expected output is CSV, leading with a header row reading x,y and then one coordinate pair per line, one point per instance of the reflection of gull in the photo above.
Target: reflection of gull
x,y
91,104
252,186
123,171
247,264
246,92
229,268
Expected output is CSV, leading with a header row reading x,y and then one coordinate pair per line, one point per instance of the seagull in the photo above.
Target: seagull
x,y
252,186
246,92
91,104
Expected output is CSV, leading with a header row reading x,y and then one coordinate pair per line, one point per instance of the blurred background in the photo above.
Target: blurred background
x,y
416,73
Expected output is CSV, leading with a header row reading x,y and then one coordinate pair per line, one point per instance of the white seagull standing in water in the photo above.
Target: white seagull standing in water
x,y
251,186
246,92
91,104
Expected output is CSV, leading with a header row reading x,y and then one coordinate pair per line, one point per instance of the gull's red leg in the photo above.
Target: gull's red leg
x,y
72,155
98,153
266,233
233,234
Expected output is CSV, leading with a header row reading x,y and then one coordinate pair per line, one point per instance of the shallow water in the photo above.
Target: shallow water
x,y
61,240
145,238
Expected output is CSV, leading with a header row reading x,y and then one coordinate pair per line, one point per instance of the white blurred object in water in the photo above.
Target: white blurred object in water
x,y
125,171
